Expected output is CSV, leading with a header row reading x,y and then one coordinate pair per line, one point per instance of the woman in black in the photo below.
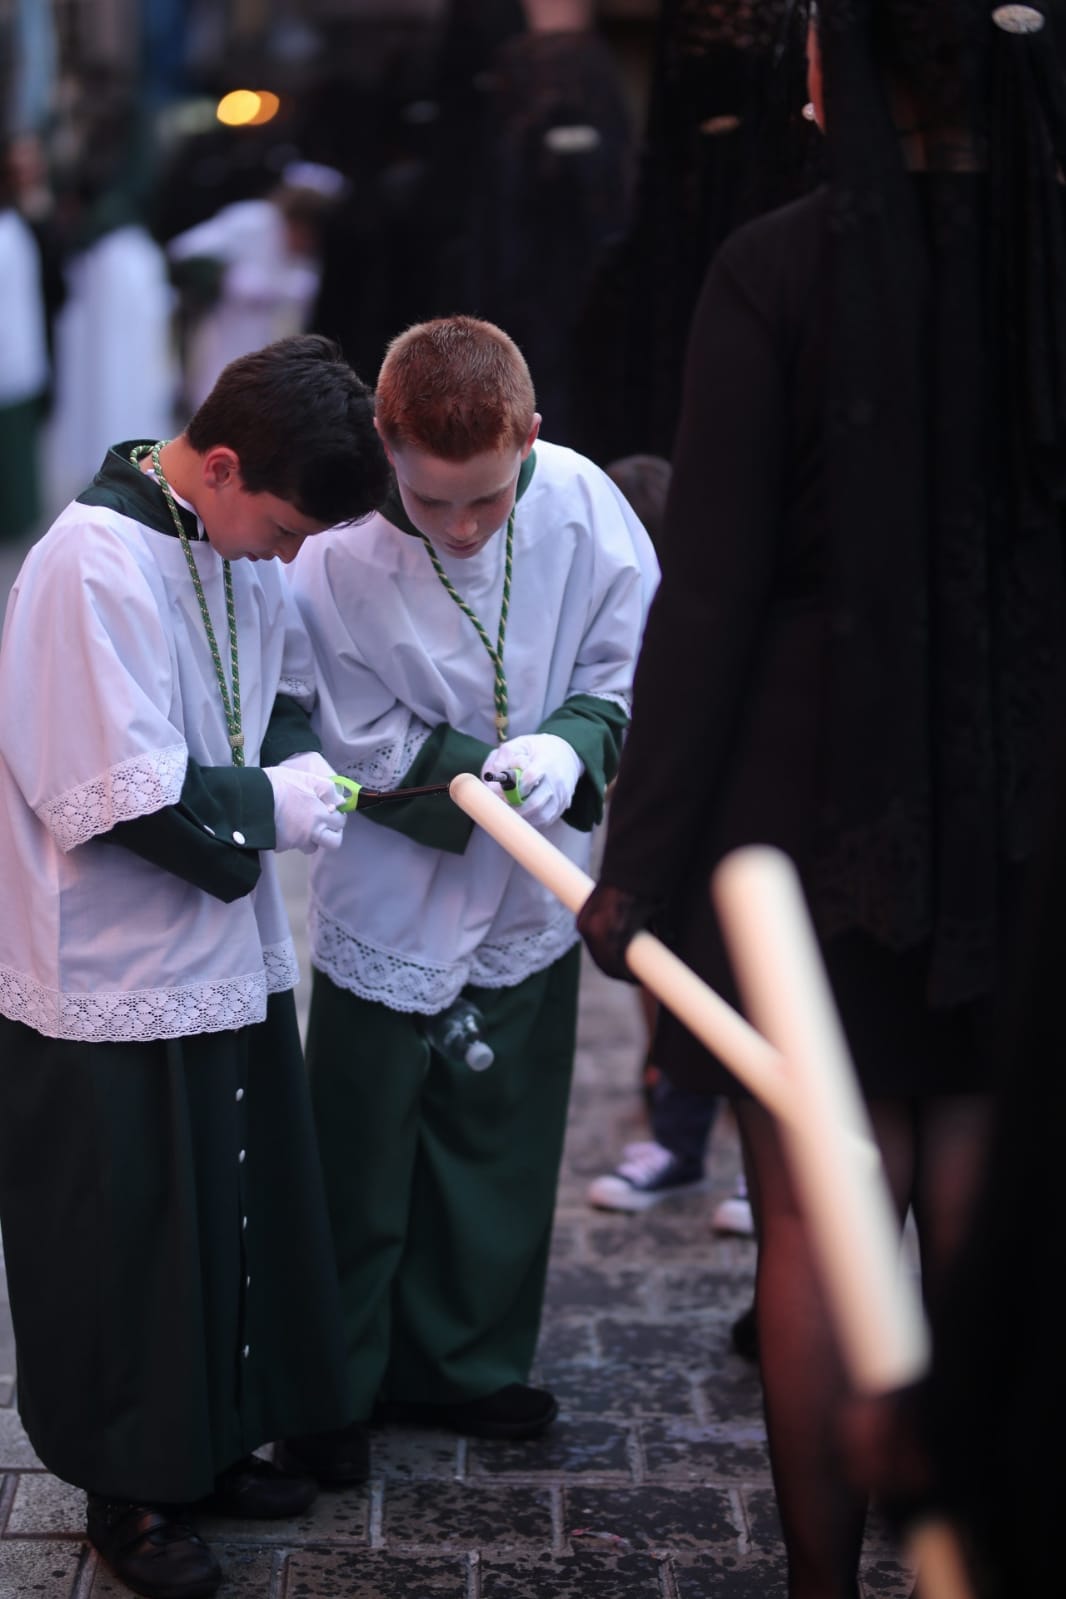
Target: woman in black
x,y
859,635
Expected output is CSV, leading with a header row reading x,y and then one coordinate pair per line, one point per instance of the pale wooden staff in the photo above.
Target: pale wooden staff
x,y
853,1229
837,1164
716,1024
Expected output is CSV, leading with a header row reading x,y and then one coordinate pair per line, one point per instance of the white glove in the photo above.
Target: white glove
x,y
305,808
310,761
551,769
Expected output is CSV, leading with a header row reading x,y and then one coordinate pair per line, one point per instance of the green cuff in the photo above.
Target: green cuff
x,y
212,836
434,820
595,729
289,732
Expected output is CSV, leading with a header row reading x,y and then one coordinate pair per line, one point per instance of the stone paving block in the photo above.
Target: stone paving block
x,y
732,1391
764,1524
688,1343
728,1576
621,1390
466,1514
660,1519
561,1342
16,1452
568,1238
577,1576
332,1574
654,1236
248,1575
46,1569
885,1578
410,1452
882,1570
579,1289
725,1292
571,1447
681,1451
341,1517
7,1390
43,1506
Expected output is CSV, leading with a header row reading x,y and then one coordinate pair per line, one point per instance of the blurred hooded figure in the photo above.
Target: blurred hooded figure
x,y
863,581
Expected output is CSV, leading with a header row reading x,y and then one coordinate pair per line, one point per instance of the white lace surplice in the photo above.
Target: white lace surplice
x,y
107,687
392,919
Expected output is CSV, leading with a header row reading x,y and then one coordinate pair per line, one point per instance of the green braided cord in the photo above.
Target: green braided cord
x,y
495,652
232,712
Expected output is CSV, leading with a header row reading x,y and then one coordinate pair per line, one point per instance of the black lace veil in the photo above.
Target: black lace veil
x,y
946,145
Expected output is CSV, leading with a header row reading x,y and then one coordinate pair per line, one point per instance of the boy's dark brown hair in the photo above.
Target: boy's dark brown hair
x,y
455,387
301,423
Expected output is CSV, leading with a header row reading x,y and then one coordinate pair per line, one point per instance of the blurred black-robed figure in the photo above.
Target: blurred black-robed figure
x,y
858,644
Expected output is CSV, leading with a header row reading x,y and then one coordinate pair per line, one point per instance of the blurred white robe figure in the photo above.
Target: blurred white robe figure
x,y
23,374
116,374
267,253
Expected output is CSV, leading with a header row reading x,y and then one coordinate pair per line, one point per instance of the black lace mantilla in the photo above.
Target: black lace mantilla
x,y
948,470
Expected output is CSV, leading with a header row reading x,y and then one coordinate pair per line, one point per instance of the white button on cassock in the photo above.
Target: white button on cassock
x,y
241,1156
238,837
239,1095
246,1351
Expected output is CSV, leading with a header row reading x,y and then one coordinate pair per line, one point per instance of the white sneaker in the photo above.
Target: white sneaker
x,y
733,1215
646,1174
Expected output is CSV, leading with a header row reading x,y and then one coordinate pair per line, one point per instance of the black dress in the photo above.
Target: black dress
x,y
730,707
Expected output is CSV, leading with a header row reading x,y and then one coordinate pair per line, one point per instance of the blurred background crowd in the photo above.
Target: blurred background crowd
x,y
183,180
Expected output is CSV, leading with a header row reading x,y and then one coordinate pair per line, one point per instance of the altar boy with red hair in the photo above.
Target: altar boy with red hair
x,y
486,620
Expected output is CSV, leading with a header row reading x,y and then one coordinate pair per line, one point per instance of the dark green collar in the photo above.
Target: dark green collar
x,y
393,510
123,487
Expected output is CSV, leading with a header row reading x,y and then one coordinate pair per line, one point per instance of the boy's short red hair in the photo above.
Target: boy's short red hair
x,y
455,387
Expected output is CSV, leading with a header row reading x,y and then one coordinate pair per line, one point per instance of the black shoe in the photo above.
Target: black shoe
x,y
516,1411
744,1336
335,1459
255,1490
156,1555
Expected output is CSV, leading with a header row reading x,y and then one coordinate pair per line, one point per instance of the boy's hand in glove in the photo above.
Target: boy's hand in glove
x,y
305,808
550,771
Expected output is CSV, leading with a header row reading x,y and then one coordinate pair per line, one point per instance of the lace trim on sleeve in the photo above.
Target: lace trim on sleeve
x,y
137,1014
380,974
301,689
387,764
409,985
136,787
507,964
623,701
282,967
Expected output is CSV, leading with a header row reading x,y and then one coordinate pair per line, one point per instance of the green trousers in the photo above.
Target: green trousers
x,y
441,1185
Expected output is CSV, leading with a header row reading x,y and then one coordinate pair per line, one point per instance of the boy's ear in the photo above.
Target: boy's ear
x,y
220,466
384,444
532,436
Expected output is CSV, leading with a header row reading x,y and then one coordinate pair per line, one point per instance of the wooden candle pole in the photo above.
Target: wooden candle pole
x,y
716,1024
853,1227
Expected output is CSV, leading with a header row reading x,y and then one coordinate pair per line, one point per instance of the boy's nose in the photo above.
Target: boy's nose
x,y
462,528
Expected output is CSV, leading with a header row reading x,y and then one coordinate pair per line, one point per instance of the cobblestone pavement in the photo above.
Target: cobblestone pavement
x,y
654,1483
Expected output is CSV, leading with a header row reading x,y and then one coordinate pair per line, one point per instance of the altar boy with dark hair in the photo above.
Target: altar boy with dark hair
x,y
172,1291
